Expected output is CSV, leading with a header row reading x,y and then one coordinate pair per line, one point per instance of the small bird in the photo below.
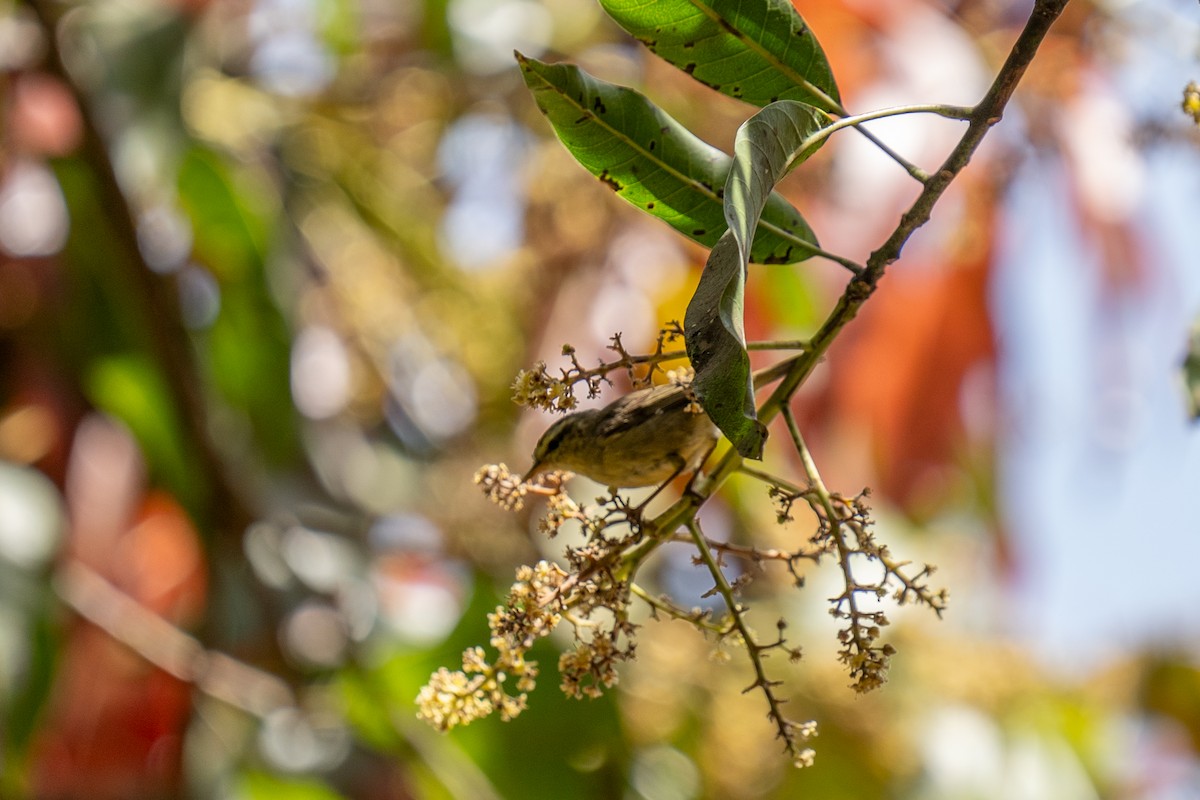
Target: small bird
x,y
644,438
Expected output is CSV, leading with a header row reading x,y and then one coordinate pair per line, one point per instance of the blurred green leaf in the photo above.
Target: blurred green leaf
x,y
131,389
103,306
340,25
36,611
759,51
229,224
143,47
791,299
248,352
248,344
653,162
1191,372
261,786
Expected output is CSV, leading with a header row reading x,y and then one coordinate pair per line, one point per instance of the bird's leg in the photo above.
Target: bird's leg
x,y
679,469
691,481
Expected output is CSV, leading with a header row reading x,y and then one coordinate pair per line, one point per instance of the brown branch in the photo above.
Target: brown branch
x,y
793,735
795,370
986,114
156,301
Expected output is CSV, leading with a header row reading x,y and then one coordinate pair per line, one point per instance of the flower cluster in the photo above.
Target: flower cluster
x,y
592,592
848,532
537,388
480,687
501,486
509,492
560,509
589,598
591,667
803,732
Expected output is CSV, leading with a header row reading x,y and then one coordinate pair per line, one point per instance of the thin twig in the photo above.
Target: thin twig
x,y
785,729
949,112
844,550
773,480
698,617
754,554
850,264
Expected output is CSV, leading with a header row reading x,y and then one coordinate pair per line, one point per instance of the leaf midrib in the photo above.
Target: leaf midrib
x,y
766,55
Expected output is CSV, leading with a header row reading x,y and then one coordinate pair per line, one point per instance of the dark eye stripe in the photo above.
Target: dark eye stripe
x,y
552,438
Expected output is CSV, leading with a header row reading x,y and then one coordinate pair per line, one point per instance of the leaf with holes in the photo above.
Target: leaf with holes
x,y
759,51
655,163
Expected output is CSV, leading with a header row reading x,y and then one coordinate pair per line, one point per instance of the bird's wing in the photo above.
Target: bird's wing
x,y
644,403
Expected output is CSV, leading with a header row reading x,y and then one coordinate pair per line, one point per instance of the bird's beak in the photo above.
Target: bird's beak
x,y
533,471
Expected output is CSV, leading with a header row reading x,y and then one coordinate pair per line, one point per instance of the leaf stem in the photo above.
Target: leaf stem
x,y
938,109
912,169
848,263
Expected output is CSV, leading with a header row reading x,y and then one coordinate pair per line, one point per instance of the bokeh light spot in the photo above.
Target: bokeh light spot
x,y
320,373
31,516
33,214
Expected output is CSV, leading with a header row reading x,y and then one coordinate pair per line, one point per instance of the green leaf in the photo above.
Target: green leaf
x,y
36,612
716,345
653,162
767,146
759,51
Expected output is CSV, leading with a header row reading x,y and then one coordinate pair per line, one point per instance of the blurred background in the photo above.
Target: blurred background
x,y
269,267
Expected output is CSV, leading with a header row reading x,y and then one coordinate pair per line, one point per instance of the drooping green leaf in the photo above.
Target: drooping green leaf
x,y
716,345
759,51
767,146
653,162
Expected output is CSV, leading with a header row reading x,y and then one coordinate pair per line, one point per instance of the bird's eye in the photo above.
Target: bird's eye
x,y
551,439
